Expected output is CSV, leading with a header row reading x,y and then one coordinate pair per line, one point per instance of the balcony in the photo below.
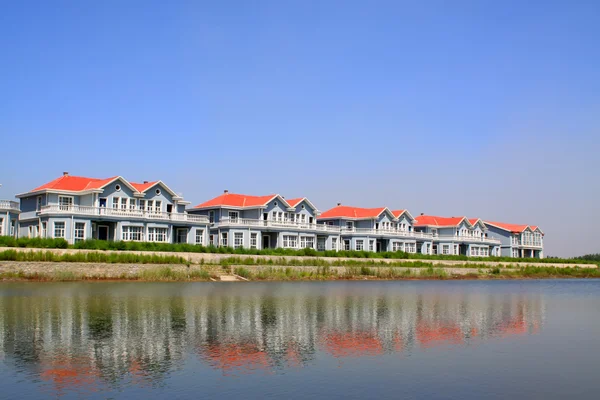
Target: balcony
x,y
530,243
386,232
134,213
467,238
274,224
9,205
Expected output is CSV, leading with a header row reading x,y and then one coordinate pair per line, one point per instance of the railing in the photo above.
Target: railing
x,y
531,243
276,224
121,212
467,238
9,205
386,232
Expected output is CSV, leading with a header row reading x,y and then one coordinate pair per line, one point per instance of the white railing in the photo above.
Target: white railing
x,y
121,212
9,205
467,238
226,221
386,232
531,243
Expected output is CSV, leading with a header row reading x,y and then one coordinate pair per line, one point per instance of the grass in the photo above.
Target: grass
x,y
93,257
6,241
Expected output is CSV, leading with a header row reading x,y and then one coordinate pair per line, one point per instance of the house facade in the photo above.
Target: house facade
x,y
9,218
374,229
518,241
263,222
78,208
457,236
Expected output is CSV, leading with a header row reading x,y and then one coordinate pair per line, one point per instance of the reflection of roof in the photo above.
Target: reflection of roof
x,y
438,334
513,326
228,357
69,374
352,344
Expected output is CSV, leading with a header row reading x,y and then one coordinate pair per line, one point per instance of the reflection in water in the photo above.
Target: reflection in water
x,y
89,337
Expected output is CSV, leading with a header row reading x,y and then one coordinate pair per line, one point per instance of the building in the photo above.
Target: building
x,y
374,229
78,208
457,236
9,218
518,241
262,222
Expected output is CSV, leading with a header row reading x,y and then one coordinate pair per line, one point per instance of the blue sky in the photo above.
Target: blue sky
x,y
486,109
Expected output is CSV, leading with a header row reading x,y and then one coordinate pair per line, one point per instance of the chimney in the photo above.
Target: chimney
x,y
339,204
225,191
422,214
145,181
65,173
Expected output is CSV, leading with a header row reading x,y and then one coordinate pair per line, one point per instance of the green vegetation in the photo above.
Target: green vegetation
x,y
93,257
6,241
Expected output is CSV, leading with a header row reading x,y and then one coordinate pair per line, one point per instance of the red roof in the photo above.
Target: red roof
x,y
237,200
74,183
352,212
509,227
140,187
398,213
294,202
430,220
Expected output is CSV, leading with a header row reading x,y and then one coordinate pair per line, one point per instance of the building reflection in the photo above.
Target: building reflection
x,y
86,341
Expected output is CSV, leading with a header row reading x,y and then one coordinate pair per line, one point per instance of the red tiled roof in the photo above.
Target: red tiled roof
x,y
237,200
74,183
140,187
515,228
352,212
294,202
398,213
424,220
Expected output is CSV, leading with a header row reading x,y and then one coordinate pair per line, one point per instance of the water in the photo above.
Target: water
x,y
459,339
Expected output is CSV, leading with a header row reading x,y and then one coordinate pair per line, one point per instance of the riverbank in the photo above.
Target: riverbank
x,y
93,271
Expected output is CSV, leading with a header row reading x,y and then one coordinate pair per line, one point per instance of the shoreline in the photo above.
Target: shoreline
x,y
49,271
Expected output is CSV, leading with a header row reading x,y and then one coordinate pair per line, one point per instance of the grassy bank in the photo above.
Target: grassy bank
x,y
158,274
400,273
6,241
94,257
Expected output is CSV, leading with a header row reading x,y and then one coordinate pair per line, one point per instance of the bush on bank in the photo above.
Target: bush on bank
x,y
6,241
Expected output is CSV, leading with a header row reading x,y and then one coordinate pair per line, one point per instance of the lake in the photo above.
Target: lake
x,y
533,339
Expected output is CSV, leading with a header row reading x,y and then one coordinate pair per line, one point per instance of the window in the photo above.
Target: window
x,y
79,231
321,243
43,233
143,205
446,249
347,244
132,204
474,251
434,249
275,204
290,241
38,205
238,240
224,239
157,192
334,244
253,240
132,233
157,206
396,246
292,217
118,188
371,245
1,225
123,203
65,202
157,234
410,247
233,217
307,242
30,232
211,217
456,249
349,225
211,240
303,206
199,236
115,202
59,230
359,245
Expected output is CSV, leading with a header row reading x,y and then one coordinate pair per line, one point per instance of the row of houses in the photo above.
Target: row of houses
x,y
78,208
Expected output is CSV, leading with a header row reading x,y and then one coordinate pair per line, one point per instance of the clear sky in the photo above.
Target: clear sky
x,y
487,109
